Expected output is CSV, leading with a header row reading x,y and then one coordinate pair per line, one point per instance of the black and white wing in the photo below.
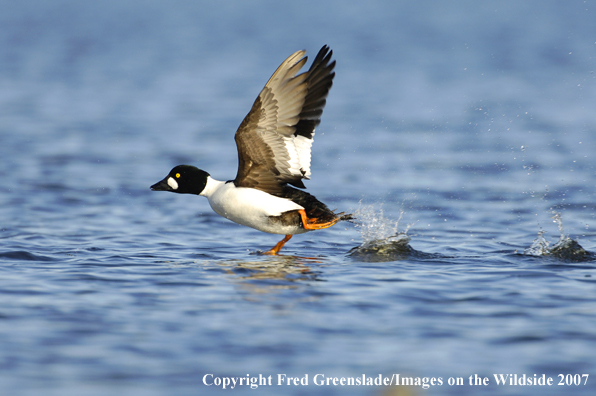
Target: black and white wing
x,y
275,138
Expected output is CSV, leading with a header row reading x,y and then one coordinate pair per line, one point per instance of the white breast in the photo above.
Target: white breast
x,y
249,207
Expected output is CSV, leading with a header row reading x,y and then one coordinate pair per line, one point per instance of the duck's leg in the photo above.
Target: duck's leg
x,y
279,245
311,224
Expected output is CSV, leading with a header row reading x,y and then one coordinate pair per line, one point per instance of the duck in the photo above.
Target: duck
x,y
274,153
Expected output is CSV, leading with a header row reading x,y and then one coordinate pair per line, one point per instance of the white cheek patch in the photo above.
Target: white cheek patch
x,y
172,183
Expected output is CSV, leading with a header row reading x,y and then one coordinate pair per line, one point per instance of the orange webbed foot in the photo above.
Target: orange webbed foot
x,y
311,224
274,250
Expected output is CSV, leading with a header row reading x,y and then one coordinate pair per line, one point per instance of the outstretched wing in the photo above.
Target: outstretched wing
x,y
275,138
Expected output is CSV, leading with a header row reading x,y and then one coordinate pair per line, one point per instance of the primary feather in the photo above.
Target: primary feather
x,y
275,138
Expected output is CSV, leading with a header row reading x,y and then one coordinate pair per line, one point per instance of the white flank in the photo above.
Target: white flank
x,y
249,207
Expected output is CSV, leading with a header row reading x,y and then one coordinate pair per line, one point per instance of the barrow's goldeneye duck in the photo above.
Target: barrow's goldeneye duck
x,y
273,142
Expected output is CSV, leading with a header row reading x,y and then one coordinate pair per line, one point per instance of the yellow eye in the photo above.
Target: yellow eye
x,y
177,175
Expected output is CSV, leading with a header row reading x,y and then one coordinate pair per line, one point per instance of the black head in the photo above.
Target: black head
x,y
183,179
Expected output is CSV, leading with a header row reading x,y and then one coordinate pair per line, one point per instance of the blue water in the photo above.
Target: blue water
x,y
468,125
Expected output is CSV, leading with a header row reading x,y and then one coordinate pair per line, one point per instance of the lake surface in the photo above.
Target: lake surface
x,y
462,135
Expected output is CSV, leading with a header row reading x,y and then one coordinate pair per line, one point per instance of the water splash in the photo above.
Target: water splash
x,y
565,248
559,220
374,226
381,239
539,246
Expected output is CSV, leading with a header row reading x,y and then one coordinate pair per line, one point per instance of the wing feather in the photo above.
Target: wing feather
x,y
275,138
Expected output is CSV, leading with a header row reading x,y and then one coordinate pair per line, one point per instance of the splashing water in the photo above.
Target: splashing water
x,y
539,246
374,226
381,239
559,220
565,248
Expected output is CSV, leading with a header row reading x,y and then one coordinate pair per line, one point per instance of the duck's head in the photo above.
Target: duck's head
x,y
183,179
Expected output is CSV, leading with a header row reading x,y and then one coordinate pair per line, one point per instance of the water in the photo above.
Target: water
x,y
456,131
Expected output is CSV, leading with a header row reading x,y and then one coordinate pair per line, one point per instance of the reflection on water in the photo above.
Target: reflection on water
x,y
272,273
